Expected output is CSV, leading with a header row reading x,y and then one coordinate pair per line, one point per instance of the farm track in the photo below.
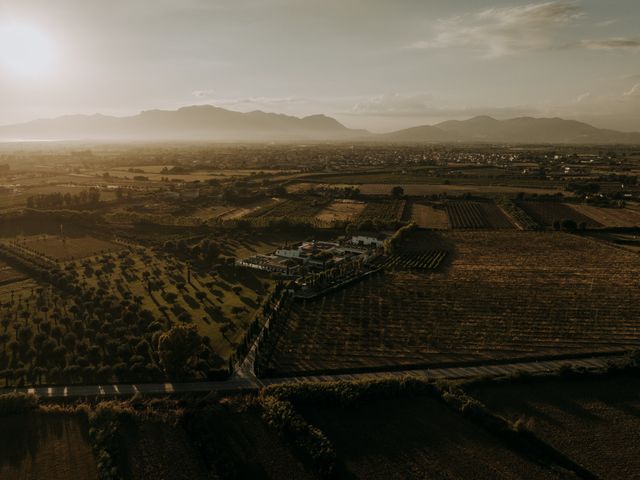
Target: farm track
x,y
248,383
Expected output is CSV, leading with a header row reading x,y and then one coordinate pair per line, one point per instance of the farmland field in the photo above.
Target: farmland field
x,y
417,438
426,189
594,421
611,217
209,300
46,445
151,448
18,289
69,248
546,213
390,211
305,207
418,261
503,295
476,215
85,345
9,275
341,210
427,216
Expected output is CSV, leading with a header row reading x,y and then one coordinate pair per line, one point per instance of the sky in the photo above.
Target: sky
x,y
374,64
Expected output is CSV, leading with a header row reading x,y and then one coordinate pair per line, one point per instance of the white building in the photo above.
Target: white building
x,y
367,240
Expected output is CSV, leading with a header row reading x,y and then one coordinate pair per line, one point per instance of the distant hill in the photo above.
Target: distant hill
x,y
209,123
196,123
516,130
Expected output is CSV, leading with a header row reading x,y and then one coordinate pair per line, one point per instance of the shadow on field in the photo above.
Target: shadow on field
x,y
34,440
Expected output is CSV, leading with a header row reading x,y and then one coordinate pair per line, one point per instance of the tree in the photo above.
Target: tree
x,y
397,192
179,348
569,225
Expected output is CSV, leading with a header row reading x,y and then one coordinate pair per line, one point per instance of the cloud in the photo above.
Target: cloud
x,y
612,44
634,92
394,104
203,93
505,30
583,97
426,105
259,102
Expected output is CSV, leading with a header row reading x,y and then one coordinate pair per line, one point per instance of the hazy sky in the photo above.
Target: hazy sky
x,y
372,64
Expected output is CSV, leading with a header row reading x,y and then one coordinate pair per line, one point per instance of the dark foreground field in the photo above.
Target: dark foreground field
x,y
46,446
500,295
593,421
418,438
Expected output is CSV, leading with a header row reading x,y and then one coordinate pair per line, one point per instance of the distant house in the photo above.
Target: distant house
x,y
369,240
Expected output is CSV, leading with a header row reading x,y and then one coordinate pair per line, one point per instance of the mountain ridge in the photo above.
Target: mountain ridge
x,y
211,123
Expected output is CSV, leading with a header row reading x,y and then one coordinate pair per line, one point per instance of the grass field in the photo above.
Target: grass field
x,y
341,210
593,421
501,295
46,446
427,216
417,438
69,248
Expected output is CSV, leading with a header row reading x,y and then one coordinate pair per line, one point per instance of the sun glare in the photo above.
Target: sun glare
x,y
24,51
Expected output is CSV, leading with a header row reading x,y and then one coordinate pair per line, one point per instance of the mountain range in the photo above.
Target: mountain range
x,y
209,123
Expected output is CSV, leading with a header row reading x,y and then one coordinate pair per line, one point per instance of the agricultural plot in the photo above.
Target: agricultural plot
x,y
68,248
46,445
593,421
221,303
476,215
426,190
610,217
519,217
504,295
389,211
150,449
10,275
415,261
417,438
239,445
108,327
341,210
15,290
427,216
546,213
300,208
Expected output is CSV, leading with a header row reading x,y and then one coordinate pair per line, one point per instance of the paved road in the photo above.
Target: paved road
x,y
243,382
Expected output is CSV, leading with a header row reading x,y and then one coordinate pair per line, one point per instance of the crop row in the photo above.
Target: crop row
x,y
420,261
466,215
519,215
389,211
505,295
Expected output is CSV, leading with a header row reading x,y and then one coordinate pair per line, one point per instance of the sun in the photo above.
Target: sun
x,y
25,51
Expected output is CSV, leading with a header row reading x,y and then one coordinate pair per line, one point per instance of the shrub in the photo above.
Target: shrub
x,y
17,403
